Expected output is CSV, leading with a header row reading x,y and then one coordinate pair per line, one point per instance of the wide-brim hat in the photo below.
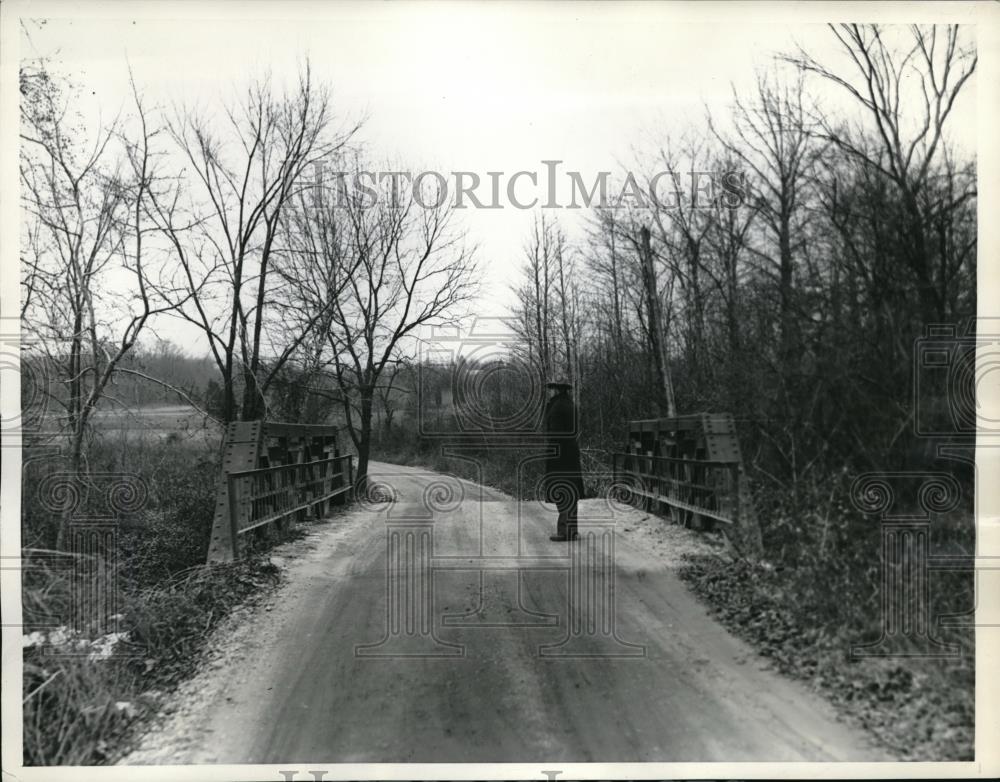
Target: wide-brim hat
x,y
559,384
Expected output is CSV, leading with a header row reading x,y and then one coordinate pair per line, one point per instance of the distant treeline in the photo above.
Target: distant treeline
x,y
158,375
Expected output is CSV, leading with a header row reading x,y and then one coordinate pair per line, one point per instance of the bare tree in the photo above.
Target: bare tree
x,y
613,350
86,280
388,390
607,264
729,243
247,177
907,92
313,266
772,136
664,386
640,282
568,300
386,267
548,320
682,224
534,323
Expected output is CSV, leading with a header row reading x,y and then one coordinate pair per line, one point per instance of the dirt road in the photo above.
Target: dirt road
x,y
344,665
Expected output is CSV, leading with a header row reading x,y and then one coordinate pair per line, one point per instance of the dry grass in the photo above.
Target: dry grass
x,y
87,685
83,693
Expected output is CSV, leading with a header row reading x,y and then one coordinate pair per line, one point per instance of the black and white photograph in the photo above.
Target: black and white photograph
x,y
499,390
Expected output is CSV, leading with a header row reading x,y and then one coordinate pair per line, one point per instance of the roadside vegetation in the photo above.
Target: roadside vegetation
x,y
217,218
800,309
819,595
804,313
88,684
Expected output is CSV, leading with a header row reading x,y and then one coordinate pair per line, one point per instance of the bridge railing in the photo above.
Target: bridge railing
x,y
276,494
701,488
690,466
272,472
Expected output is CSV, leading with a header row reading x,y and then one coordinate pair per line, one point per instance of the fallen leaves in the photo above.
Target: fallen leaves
x,y
920,708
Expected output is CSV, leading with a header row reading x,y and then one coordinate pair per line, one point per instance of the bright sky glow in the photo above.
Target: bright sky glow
x,y
491,87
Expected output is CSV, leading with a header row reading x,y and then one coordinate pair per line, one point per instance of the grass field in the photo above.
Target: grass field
x,y
157,422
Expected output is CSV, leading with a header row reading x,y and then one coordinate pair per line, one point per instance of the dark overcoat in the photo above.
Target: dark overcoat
x,y
563,469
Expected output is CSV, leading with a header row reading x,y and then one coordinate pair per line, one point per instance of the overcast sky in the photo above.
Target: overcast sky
x,y
496,87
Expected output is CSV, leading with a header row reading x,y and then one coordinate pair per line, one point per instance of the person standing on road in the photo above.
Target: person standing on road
x,y
563,473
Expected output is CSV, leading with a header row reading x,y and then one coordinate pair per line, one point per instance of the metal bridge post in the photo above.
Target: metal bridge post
x,y
234,513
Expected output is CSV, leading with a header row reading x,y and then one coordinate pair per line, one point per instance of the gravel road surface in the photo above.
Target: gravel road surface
x,y
388,642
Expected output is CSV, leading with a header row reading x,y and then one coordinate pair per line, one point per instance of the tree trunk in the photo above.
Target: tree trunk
x,y
616,327
364,442
696,319
564,319
665,390
228,393
788,352
253,408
